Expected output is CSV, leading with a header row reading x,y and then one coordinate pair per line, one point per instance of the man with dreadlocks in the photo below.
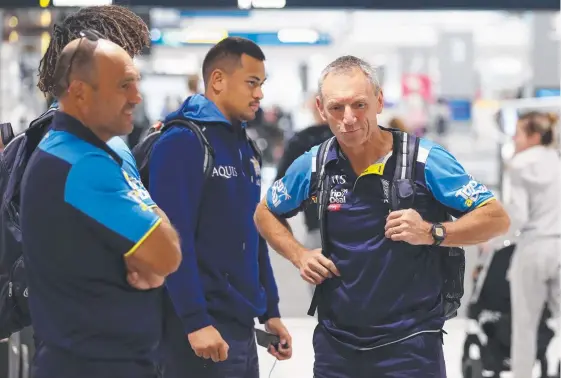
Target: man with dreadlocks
x,y
113,22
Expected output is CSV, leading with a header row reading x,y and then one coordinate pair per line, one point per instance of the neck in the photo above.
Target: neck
x,y
210,96
376,147
74,112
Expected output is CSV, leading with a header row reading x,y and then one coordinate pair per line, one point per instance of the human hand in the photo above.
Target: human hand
x,y
408,226
315,267
208,343
276,327
144,281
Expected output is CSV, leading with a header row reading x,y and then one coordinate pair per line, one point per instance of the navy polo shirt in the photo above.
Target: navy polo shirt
x,y
83,209
388,291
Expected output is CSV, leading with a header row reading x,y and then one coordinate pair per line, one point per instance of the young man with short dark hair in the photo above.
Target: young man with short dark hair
x,y
226,279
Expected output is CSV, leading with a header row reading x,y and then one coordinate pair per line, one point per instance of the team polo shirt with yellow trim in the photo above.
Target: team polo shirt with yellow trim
x,y
82,210
388,290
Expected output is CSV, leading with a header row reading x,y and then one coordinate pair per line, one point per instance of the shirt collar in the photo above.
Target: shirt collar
x,y
65,122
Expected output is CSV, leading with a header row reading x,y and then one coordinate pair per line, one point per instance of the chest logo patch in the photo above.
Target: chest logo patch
x,y
338,196
224,171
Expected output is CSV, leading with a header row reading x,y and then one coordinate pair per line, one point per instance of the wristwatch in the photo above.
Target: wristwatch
x,y
438,232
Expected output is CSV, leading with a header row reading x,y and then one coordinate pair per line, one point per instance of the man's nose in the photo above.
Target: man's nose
x,y
135,98
349,116
258,93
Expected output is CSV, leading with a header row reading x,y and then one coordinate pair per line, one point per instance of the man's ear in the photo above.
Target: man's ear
x,y
380,101
319,106
77,90
217,80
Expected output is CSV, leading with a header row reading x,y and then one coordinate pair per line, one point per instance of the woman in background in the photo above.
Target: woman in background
x,y
534,193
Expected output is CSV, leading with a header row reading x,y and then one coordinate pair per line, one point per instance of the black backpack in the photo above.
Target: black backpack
x,y
401,196
14,309
143,150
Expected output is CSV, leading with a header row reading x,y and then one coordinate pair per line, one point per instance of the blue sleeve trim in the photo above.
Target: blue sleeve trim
x,y
451,185
289,192
99,188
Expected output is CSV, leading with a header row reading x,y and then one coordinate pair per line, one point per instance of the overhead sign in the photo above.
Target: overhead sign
x,y
293,37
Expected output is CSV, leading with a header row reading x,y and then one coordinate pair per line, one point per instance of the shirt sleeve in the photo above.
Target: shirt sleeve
x,y
118,145
288,193
451,185
97,187
267,279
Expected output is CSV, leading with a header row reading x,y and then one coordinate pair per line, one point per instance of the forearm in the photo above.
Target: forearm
x,y
478,226
277,233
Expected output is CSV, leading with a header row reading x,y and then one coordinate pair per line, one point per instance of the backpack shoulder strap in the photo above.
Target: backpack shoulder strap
x,y
322,181
208,163
406,148
256,149
320,173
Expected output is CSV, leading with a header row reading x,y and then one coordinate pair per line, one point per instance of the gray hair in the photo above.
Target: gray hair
x,y
347,63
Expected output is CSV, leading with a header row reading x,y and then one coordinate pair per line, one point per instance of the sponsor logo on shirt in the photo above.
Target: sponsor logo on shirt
x,y
338,196
279,193
471,192
225,171
138,192
257,170
334,207
339,179
386,190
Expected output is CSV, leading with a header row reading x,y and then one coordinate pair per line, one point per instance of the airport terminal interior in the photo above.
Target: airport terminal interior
x,y
460,77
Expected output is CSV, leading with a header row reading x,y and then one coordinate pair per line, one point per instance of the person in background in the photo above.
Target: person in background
x,y
398,124
96,247
225,280
141,123
534,207
192,85
301,142
115,23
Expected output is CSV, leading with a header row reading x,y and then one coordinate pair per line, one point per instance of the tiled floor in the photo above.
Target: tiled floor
x,y
300,366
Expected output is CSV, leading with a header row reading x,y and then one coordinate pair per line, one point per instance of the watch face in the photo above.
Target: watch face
x,y
439,232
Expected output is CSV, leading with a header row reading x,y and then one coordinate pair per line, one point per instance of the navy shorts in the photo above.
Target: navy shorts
x,y
418,356
180,361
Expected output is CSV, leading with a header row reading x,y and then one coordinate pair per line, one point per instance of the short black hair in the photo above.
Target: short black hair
x,y
228,52
115,23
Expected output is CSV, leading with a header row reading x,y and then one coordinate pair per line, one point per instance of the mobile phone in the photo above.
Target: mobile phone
x,y
265,339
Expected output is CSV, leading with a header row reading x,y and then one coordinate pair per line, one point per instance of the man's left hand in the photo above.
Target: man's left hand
x,y
408,226
276,327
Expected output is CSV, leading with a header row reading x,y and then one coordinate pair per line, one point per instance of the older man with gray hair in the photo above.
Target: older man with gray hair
x,y
381,291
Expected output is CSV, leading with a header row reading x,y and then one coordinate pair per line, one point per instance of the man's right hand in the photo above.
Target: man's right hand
x,y
144,281
315,267
207,343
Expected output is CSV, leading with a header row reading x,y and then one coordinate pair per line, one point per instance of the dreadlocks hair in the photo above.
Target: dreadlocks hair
x,y
116,23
